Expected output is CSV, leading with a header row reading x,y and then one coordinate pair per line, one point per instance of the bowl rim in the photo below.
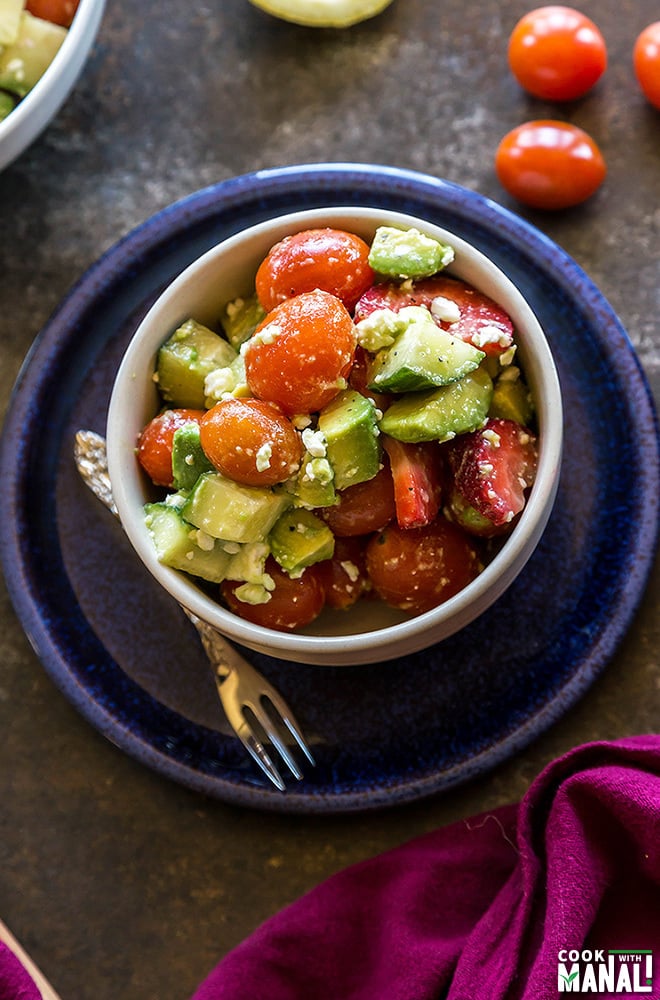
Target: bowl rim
x,y
65,68
389,641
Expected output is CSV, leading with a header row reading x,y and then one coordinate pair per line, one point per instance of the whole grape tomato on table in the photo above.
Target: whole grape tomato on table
x,y
646,61
356,428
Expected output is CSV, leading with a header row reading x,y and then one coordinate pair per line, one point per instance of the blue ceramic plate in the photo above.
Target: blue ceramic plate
x,y
122,652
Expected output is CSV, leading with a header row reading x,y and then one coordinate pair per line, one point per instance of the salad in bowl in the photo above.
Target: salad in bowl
x,y
336,436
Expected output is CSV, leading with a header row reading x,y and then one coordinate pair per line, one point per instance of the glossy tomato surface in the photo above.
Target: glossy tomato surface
x,y
330,259
363,508
301,352
646,60
251,441
557,53
293,602
549,164
415,569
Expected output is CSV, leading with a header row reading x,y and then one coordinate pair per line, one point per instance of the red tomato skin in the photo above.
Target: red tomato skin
x,y
293,603
57,11
416,569
154,449
232,432
362,508
344,577
557,53
330,259
646,61
309,358
549,164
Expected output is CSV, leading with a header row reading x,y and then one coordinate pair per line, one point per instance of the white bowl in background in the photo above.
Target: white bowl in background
x,y
33,113
370,631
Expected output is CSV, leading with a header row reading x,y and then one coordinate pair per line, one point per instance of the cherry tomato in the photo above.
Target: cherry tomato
x,y
344,577
292,603
646,60
549,164
302,352
250,441
57,11
330,259
557,53
154,448
363,508
415,569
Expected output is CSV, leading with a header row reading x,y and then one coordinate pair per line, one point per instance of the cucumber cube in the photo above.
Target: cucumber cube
x,y
231,511
178,545
186,358
440,414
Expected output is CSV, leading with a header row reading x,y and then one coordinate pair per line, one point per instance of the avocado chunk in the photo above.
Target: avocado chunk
x,y
407,253
349,426
440,414
7,104
511,400
188,458
184,361
26,59
10,20
241,318
315,486
300,539
228,381
229,510
182,547
422,356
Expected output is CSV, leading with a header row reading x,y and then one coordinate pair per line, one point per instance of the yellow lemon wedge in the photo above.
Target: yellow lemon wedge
x,y
323,13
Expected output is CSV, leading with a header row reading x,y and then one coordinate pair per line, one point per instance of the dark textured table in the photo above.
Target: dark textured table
x,y
119,882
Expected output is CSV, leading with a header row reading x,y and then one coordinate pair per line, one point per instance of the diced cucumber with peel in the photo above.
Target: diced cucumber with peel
x,y
184,361
229,510
177,544
440,414
407,253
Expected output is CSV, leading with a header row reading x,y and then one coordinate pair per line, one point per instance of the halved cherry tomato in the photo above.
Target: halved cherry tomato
x,y
549,164
330,259
293,602
344,577
57,11
473,314
154,450
416,569
646,60
557,53
302,352
362,508
251,441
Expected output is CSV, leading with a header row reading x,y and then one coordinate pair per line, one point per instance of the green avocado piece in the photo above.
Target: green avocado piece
x,y
7,104
315,486
300,539
512,401
440,414
180,546
186,358
188,458
349,426
407,253
26,60
241,318
231,511
422,356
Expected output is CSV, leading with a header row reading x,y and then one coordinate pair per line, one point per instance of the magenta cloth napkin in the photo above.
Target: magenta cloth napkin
x,y
487,907
15,981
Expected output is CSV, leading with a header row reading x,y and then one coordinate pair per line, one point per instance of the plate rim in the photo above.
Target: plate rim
x,y
177,218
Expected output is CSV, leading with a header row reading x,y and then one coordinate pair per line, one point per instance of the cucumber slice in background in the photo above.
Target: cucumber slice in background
x,y
323,13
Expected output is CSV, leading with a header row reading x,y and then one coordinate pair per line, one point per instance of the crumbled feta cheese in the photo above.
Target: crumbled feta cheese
x,y
301,420
446,310
263,457
315,442
205,541
506,357
491,335
492,437
318,470
266,335
219,382
234,307
351,570
252,593
176,500
379,329
510,374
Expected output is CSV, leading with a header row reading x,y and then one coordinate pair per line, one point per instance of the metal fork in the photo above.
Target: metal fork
x,y
241,688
